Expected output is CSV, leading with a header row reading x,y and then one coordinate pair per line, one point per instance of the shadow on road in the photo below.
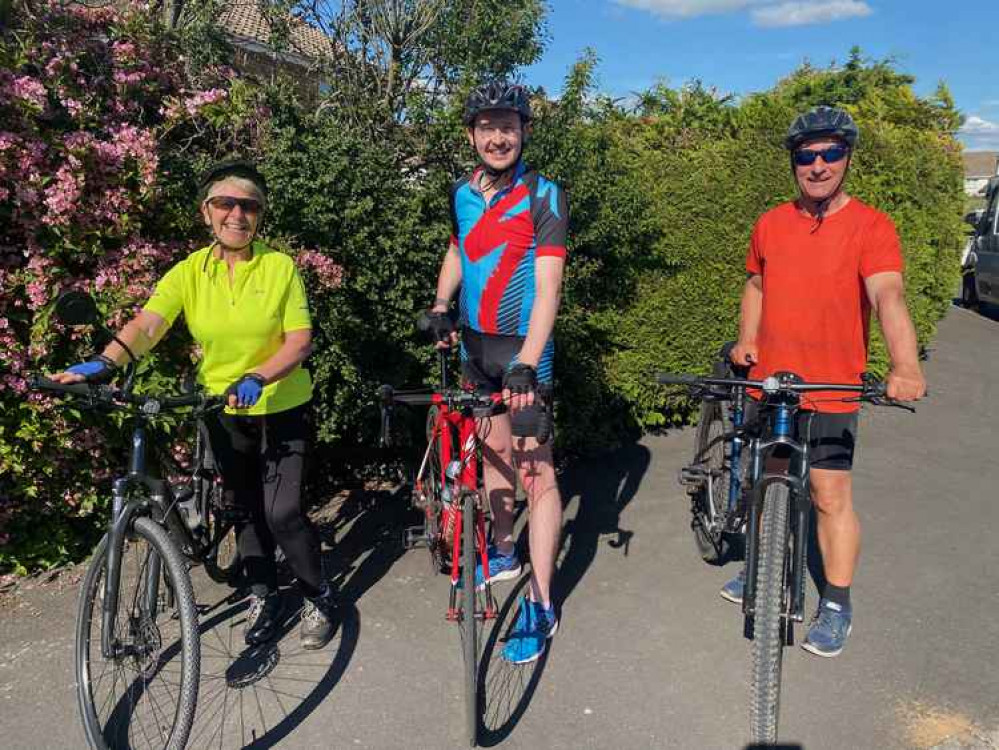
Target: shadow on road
x,y
505,690
781,746
256,697
602,487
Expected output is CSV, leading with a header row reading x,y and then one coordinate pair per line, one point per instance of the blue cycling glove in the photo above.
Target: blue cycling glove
x,y
97,370
247,390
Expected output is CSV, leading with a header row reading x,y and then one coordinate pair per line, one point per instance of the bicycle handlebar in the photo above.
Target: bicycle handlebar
x,y
871,390
116,397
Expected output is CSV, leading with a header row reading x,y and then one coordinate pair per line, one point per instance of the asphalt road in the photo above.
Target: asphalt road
x,y
648,655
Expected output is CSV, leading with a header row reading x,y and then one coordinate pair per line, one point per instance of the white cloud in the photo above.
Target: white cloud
x,y
807,13
770,13
687,8
979,134
976,125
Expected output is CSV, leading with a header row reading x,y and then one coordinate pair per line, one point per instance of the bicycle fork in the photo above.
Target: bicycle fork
x,y
796,479
124,513
455,612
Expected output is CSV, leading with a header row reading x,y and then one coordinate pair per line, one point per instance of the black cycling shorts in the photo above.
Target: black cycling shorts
x,y
831,437
485,359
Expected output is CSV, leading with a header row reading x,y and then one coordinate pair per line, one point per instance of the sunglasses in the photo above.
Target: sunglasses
x,y
805,158
225,203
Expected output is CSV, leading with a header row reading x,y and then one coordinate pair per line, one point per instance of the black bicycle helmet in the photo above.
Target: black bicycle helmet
x,y
822,122
498,94
232,168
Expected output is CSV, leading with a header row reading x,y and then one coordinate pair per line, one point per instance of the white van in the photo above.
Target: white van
x,y
987,248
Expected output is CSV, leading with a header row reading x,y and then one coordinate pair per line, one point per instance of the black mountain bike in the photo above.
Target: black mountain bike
x,y
137,649
714,478
777,508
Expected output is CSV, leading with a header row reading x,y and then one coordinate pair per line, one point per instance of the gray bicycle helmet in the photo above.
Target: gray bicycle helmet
x,y
498,94
822,122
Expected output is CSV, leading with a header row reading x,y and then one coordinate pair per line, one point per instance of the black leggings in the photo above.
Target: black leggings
x,y
262,461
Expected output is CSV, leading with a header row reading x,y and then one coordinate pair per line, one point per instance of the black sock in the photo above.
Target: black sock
x,y
838,594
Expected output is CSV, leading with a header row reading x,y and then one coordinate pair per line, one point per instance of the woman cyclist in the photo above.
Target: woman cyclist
x,y
245,306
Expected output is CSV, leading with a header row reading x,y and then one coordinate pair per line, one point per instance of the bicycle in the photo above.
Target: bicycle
x,y
449,491
777,509
137,611
714,477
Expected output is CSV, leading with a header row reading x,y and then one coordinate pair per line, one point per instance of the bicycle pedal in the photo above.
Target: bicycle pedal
x,y
694,475
414,537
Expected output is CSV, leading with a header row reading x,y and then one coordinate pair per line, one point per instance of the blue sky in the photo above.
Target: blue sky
x,y
740,46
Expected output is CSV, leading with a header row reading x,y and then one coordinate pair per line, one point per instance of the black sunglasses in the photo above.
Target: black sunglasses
x,y
805,158
226,203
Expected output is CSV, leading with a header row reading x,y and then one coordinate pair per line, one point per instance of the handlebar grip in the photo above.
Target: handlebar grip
x,y
192,399
38,383
666,378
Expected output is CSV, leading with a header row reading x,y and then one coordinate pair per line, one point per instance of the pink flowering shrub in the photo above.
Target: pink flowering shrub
x,y
101,132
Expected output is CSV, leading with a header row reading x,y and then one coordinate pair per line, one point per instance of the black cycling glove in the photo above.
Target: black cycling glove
x,y
439,325
520,378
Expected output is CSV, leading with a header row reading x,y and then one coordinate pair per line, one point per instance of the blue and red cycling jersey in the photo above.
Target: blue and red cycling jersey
x,y
499,242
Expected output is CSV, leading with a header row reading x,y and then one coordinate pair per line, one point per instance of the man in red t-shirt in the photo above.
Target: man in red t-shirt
x,y
817,267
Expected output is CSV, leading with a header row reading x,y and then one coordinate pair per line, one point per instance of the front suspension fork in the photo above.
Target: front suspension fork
x,y
123,515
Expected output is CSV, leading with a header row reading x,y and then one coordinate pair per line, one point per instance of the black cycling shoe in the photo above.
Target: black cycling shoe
x,y
263,618
319,620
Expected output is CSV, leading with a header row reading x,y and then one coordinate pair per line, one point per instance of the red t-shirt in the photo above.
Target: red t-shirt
x,y
816,315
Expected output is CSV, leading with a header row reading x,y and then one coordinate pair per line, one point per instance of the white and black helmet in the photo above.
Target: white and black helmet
x,y
822,122
497,95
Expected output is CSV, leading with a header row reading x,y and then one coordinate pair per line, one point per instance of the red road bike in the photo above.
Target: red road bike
x,y
449,491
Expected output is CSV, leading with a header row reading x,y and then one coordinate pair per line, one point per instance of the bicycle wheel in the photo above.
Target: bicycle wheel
x,y
428,496
468,621
145,696
710,500
222,563
769,625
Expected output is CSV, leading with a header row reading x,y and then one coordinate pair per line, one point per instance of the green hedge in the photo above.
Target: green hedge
x,y
663,196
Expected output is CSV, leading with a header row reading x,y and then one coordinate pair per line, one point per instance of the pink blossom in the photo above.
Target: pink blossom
x,y
29,90
328,272
195,103
62,196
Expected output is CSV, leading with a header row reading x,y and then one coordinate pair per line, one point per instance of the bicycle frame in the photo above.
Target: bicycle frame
x,y
154,499
738,410
465,472
780,417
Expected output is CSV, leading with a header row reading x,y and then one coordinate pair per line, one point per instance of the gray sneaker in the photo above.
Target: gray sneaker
x,y
733,590
318,620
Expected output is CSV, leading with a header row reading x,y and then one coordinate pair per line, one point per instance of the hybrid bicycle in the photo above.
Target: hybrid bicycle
x,y
777,507
137,650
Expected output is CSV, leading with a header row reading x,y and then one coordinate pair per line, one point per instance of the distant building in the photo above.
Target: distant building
x,y
979,167
298,56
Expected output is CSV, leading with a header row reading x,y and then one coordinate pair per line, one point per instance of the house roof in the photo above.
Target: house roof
x,y
981,163
245,21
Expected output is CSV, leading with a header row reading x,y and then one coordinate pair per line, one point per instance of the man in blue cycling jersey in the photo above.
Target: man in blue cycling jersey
x,y
507,254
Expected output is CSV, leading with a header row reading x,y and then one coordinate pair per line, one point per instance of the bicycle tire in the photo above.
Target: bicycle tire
x,y
439,517
769,624
710,451
468,621
223,562
134,673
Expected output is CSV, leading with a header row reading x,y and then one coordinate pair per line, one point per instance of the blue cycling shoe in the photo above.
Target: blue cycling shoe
x,y
733,590
829,630
501,567
534,626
